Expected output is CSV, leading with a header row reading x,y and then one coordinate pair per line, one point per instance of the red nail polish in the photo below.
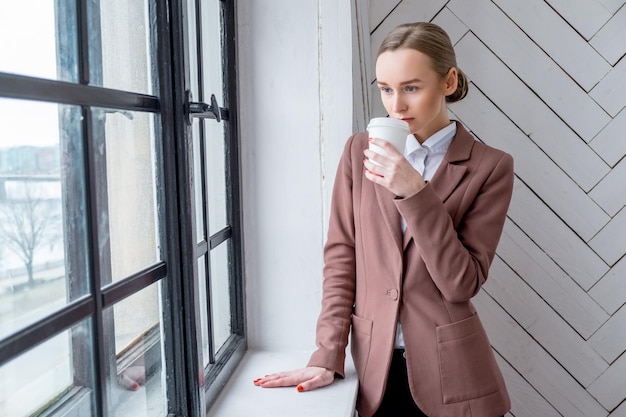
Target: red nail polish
x,y
369,139
300,388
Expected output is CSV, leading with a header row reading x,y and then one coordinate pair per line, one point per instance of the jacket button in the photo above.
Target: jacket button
x,y
392,293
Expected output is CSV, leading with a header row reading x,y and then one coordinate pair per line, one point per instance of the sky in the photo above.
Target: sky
x,y
28,50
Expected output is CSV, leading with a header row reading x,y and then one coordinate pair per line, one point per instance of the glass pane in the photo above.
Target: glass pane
x,y
212,73
197,182
38,38
212,50
192,50
42,211
216,175
220,294
130,182
49,375
133,341
204,320
123,60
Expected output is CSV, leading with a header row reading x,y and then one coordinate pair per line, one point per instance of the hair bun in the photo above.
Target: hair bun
x,y
461,88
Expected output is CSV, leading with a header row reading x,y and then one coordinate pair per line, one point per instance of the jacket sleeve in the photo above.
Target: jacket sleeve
x,y
338,287
458,260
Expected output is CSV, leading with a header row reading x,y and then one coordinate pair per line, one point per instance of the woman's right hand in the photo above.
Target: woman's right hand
x,y
305,379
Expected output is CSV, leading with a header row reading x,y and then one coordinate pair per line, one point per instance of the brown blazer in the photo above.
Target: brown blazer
x,y
374,275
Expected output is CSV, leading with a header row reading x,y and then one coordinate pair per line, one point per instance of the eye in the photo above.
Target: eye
x,y
411,89
385,90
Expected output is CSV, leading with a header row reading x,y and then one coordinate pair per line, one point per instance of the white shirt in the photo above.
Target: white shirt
x,y
426,158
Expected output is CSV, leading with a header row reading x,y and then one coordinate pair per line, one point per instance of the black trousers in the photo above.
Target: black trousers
x,y
397,400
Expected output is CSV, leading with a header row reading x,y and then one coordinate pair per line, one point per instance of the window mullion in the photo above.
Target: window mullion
x,y
233,173
183,283
73,187
176,343
90,71
206,258
99,250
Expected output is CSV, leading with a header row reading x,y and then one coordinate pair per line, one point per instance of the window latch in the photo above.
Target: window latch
x,y
204,110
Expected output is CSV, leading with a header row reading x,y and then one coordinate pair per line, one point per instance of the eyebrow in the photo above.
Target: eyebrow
x,y
413,81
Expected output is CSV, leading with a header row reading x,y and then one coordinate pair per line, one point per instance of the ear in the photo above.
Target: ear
x,y
450,81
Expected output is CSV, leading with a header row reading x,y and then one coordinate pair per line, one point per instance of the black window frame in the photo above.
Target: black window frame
x,y
188,393
221,365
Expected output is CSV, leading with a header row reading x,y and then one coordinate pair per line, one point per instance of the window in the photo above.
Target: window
x,y
119,207
216,190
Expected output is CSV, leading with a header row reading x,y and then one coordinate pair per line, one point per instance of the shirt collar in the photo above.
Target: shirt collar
x,y
437,139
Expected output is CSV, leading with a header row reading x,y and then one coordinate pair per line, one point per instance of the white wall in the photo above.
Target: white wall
x,y
295,97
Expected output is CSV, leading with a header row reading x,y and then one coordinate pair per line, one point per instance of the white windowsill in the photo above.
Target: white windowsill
x,y
241,398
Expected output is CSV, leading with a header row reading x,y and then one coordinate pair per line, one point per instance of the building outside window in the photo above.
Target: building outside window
x,y
120,236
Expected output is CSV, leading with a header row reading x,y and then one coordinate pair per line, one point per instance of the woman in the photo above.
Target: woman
x,y
410,242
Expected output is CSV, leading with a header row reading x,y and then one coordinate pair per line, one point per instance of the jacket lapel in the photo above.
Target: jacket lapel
x,y
390,214
450,173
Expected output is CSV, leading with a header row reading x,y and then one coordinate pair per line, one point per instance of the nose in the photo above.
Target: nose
x,y
397,103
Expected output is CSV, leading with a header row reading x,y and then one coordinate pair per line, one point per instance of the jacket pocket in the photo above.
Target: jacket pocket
x,y
467,364
360,344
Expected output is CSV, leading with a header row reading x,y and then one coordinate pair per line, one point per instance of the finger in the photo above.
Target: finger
x,y
372,171
316,382
281,380
270,377
377,141
372,156
373,178
376,164
385,145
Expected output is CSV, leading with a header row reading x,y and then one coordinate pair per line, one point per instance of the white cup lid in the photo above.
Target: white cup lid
x,y
388,122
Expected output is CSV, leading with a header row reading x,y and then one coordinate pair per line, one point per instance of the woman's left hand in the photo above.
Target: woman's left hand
x,y
393,171
305,379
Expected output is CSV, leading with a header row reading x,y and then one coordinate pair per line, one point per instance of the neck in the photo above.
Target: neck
x,y
427,131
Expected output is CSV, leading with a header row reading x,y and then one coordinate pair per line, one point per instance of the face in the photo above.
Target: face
x,y
411,90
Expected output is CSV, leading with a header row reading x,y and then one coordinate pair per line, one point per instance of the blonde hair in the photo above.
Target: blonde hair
x,y
432,41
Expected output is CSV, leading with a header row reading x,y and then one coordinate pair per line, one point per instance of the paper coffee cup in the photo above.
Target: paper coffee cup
x,y
393,131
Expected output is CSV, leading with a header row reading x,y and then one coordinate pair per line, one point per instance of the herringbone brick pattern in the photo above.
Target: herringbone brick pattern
x,y
548,85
